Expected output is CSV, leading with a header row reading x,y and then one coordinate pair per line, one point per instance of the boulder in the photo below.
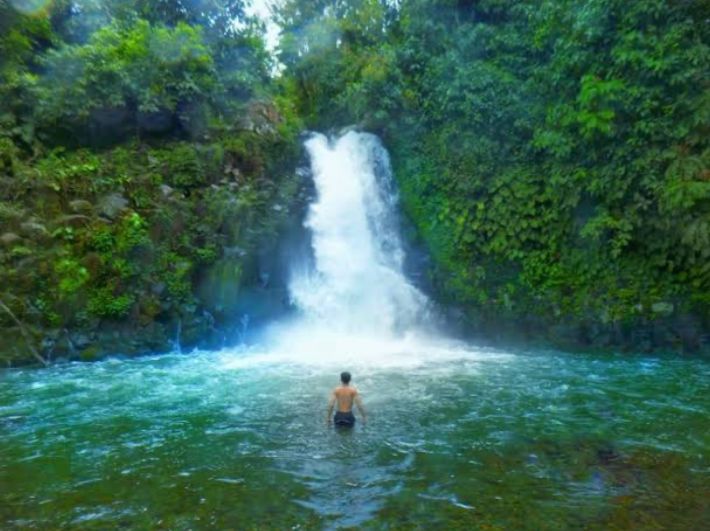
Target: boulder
x,y
158,288
260,117
32,227
81,206
9,238
663,308
112,205
166,190
72,220
81,341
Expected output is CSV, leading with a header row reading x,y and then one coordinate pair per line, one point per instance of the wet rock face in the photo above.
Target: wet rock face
x,y
9,238
146,247
112,204
682,333
33,228
261,117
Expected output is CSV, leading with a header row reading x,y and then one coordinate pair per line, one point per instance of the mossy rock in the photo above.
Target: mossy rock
x,y
138,233
220,284
90,353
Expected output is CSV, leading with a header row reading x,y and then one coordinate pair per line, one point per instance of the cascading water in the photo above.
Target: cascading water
x,y
355,303
356,284
457,437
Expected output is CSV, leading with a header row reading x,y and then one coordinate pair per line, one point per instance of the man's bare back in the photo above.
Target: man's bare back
x,y
345,395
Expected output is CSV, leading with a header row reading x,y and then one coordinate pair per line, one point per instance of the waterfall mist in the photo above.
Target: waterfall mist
x,y
354,303
356,283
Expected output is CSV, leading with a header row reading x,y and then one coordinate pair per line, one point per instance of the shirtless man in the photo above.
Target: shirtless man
x,y
345,395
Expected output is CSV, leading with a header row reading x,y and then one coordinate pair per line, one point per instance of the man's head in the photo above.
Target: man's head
x,y
345,377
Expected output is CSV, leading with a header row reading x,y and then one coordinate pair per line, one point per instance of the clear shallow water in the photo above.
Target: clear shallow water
x,y
475,439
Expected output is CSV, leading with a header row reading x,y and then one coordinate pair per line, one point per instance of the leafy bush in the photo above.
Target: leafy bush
x,y
140,76
103,303
552,155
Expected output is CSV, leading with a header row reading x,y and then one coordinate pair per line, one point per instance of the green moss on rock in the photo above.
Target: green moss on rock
x,y
139,241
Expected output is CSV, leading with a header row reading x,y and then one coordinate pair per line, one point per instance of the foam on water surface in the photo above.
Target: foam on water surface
x,y
459,436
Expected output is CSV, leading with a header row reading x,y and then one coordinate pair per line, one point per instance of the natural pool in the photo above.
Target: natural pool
x,y
461,438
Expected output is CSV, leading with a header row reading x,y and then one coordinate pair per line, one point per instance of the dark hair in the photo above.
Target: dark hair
x,y
345,377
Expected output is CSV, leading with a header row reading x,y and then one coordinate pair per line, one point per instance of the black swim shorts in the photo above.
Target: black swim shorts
x,y
344,419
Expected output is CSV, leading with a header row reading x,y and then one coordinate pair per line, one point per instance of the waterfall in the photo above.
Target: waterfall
x,y
355,284
356,307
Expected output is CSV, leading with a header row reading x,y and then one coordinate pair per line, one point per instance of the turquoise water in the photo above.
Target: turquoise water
x,y
480,439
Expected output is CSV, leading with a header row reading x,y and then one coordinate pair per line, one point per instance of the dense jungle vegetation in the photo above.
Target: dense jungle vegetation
x,y
552,156
147,165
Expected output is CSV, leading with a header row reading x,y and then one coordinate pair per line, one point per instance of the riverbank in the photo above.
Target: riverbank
x,y
152,247
149,245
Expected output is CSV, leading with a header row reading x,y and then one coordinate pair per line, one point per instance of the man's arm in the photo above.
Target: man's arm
x,y
360,407
331,405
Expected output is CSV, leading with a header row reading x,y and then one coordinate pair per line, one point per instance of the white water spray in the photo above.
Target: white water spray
x,y
356,285
356,306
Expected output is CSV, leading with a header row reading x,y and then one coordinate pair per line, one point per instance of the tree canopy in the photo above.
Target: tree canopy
x,y
552,154
78,72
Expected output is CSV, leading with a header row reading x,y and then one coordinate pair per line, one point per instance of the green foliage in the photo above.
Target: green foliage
x,y
125,77
131,233
207,255
596,99
138,141
72,276
142,262
181,166
177,276
21,37
552,154
96,73
104,303
216,16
